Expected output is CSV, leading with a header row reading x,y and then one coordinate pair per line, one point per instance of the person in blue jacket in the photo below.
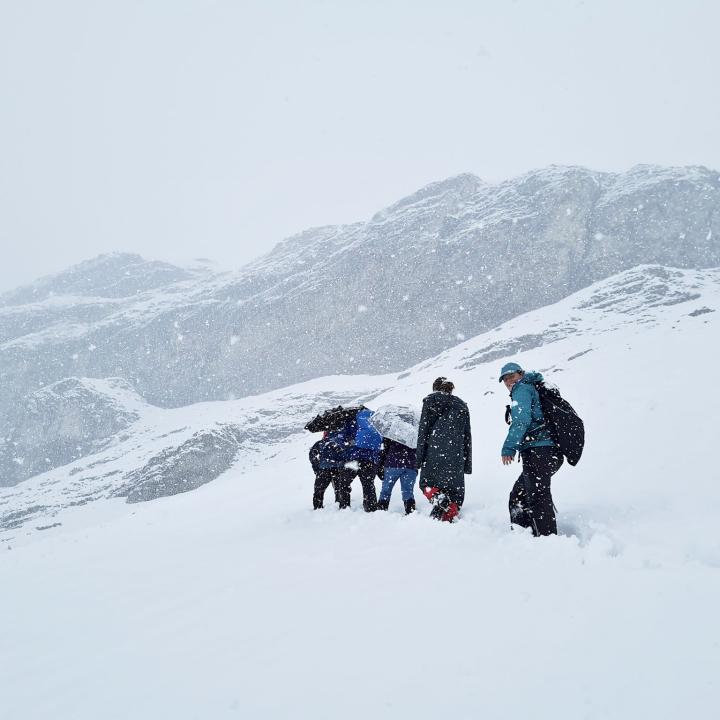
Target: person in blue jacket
x,y
364,457
530,502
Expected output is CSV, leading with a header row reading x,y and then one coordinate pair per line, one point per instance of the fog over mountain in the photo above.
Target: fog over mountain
x,y
457,258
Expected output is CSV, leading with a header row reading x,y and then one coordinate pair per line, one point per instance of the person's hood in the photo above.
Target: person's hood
x,y
531,378
441,401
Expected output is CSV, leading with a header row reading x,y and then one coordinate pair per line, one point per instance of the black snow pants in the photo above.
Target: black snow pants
x,y
366,473
325,478
531,503
343,481
342,478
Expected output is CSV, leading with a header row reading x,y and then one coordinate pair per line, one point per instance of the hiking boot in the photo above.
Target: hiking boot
x,y
451,513
441,503
431,493
410,506
383,504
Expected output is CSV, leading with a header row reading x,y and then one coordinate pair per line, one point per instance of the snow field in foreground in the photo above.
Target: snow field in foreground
x,y
181,612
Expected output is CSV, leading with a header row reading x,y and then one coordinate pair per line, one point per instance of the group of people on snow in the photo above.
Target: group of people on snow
x,y
358,443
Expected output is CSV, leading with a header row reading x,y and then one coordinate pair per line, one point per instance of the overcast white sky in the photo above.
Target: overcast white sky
x,y
188,128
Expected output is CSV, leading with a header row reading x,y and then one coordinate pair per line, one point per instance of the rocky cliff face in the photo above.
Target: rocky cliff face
x,y
63,422
453,260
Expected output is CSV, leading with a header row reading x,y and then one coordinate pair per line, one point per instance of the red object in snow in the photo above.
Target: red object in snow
x,y
451,513
430,492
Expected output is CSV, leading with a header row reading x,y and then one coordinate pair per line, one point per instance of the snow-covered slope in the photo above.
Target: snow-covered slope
x,y
238,601
154,452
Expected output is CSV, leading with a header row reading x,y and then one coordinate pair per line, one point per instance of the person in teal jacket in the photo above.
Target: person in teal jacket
x,y
527,428
530,502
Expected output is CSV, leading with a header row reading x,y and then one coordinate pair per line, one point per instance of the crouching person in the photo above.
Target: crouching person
x,y
444,450
398,464
530,502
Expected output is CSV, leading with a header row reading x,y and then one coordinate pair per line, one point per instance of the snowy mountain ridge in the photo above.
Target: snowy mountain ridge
x,y
450,261
156,452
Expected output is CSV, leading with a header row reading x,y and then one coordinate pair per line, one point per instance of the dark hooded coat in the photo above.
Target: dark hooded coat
x,y
444,452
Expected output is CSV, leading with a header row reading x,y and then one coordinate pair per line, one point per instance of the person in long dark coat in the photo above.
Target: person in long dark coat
x,y
444,450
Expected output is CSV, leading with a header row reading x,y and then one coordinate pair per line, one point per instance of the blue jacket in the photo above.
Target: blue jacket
x,y
358,441
366,436
367,441
527,417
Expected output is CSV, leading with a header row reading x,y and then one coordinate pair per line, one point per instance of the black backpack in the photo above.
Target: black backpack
x,y
565,425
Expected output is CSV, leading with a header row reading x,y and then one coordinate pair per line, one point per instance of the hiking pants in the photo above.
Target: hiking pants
x,y
340,479
406,476
531,503
366,473
343,488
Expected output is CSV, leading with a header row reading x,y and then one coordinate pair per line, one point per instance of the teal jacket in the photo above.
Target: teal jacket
x,y
527,417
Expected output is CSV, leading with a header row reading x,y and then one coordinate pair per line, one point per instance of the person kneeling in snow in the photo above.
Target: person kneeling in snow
x,y
444,450
530,502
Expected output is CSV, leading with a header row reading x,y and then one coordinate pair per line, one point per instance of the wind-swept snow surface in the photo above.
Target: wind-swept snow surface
x,y
236,600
